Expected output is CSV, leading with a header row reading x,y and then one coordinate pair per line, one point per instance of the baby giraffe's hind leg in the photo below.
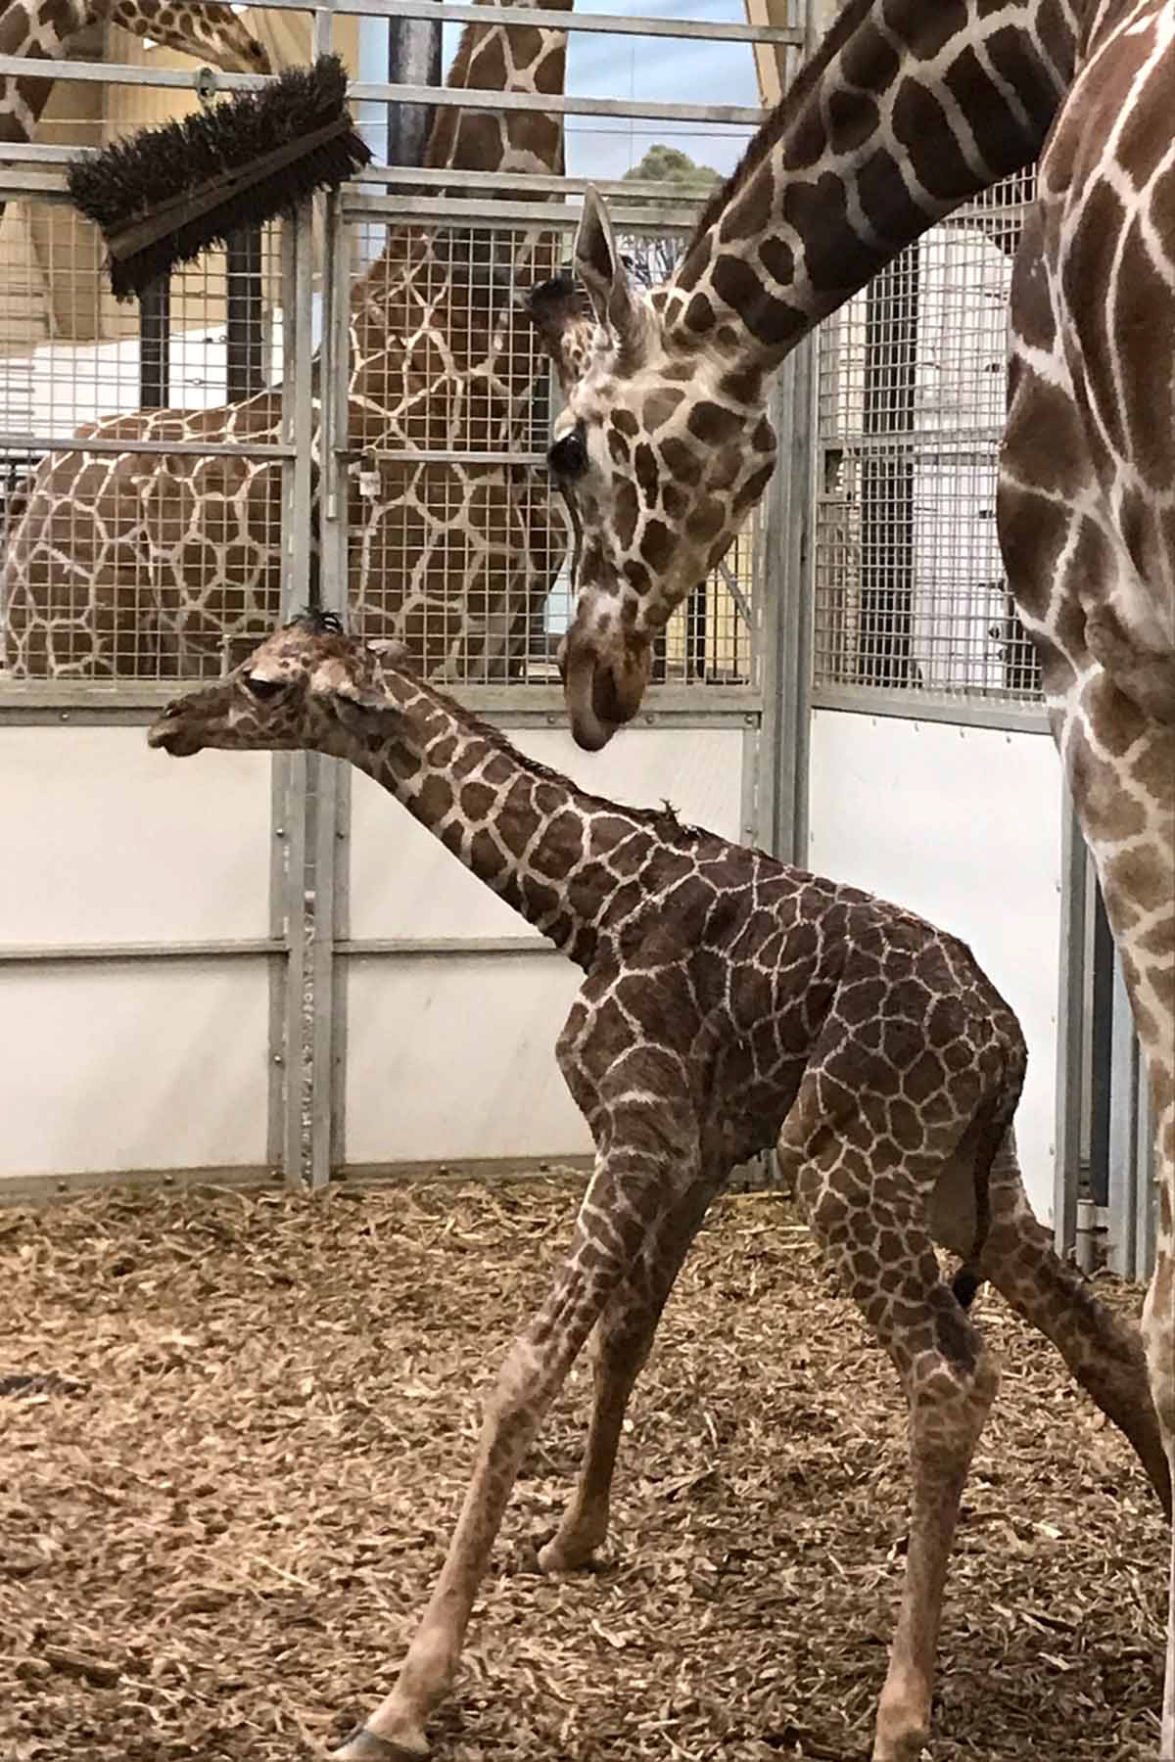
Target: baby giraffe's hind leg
x,y
886,1259
1105,1354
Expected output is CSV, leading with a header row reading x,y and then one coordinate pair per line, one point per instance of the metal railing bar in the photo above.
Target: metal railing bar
x,y
36,953
440,456
123,74
443,945
746,115
603,24
544,216
513,705
966,709
39,443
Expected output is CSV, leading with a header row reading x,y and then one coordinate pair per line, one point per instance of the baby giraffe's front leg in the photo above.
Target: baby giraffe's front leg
x,y
620,1346
629,1190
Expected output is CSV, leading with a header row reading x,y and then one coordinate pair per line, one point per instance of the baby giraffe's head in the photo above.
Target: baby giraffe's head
x,y
299,689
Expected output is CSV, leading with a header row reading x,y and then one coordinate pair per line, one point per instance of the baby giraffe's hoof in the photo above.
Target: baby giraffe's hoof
x,y
363,1745
555,1556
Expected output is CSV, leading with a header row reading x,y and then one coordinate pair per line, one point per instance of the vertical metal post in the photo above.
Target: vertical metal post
x,y
414,59
245,359
1070,1035
292,770
1123,1136
788,541
155,345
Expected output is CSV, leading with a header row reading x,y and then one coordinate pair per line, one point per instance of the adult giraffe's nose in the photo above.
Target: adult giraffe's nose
x,y
603,684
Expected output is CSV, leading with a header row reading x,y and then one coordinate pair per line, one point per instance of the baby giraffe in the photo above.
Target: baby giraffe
x,y
730,1003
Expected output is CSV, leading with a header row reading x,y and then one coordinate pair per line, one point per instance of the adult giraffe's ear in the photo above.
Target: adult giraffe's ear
x,y
600,267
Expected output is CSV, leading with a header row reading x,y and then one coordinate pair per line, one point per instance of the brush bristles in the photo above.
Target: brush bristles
x,y
129,180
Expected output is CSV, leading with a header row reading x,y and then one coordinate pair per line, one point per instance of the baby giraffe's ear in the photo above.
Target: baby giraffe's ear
x,y
392,650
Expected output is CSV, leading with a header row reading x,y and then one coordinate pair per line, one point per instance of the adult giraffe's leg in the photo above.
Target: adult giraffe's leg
x,y
886,1259
1104,1354
620,1344
647,1163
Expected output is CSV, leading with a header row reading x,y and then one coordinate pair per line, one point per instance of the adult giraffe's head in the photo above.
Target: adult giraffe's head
x,y
662,449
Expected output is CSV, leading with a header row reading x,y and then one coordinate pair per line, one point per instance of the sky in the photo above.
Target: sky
x,y
659,68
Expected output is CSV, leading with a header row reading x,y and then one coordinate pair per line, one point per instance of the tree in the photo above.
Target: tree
x,y
652,257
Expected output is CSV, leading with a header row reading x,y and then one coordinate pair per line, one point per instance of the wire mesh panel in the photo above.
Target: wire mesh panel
x,y
910,592
457,542
123,558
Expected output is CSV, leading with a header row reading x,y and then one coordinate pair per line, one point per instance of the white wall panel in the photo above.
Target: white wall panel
x,y
454,1058
105,840
132,1065
962,825
404,883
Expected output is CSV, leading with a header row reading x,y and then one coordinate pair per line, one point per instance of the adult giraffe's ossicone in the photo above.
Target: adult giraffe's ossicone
x,y
905,111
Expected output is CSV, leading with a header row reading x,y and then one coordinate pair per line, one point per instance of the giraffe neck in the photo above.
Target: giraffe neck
x,y
533,838
35,32
498,57
906,111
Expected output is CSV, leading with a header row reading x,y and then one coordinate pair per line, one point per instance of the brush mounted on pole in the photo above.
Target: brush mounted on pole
x,y
164,195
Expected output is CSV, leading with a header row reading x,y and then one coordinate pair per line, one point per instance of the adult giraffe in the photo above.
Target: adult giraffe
x,y
664,446
131,564
40,30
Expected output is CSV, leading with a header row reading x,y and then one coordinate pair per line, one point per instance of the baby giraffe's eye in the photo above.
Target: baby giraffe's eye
x,y
568,455
264,690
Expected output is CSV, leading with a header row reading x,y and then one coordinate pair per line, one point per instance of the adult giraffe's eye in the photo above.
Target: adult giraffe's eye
x,y
264,690
568,455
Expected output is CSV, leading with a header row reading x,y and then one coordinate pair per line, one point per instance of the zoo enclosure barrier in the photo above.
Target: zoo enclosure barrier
x,y
869,590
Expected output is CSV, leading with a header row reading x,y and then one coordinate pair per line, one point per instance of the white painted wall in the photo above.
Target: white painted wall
x,y
964,826
120,1065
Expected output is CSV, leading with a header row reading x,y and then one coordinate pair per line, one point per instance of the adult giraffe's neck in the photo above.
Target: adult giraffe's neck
x,y
497,57
541,844
36,31
906,110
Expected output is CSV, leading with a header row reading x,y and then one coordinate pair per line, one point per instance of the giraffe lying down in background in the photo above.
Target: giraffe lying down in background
x,y
730,1004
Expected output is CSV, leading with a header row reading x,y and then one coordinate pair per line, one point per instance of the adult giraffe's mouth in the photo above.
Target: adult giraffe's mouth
x,y
173,735
602,691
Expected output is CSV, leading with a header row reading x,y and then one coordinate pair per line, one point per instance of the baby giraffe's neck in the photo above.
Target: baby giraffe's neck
x,y
560,857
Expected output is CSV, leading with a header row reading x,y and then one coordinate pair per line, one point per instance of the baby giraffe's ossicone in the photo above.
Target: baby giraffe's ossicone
x,y
730,1003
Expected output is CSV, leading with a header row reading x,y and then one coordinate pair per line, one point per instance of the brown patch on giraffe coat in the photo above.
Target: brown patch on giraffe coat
x,y
626,422
1021,69
618,448
713,425
625,510
1033,531
778,259
657,546
699,314
836,257
852,119
771,321
997,132
661,406
706,521
1087,274
647,473
922,126
476,800
681,461
1107,814
637,575
749,215
485,855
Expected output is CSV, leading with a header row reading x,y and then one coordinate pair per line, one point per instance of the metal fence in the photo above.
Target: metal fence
x,y
910,595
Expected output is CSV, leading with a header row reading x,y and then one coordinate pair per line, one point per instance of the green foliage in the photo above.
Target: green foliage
x,y
669,165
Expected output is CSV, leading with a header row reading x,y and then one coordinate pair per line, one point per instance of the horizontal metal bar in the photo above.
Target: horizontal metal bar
x,y
136,702
446,210
605,24
42,443
45,953
486,1169
121,73
447,98
912,706
43,159
443,945
440,456
29,1189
